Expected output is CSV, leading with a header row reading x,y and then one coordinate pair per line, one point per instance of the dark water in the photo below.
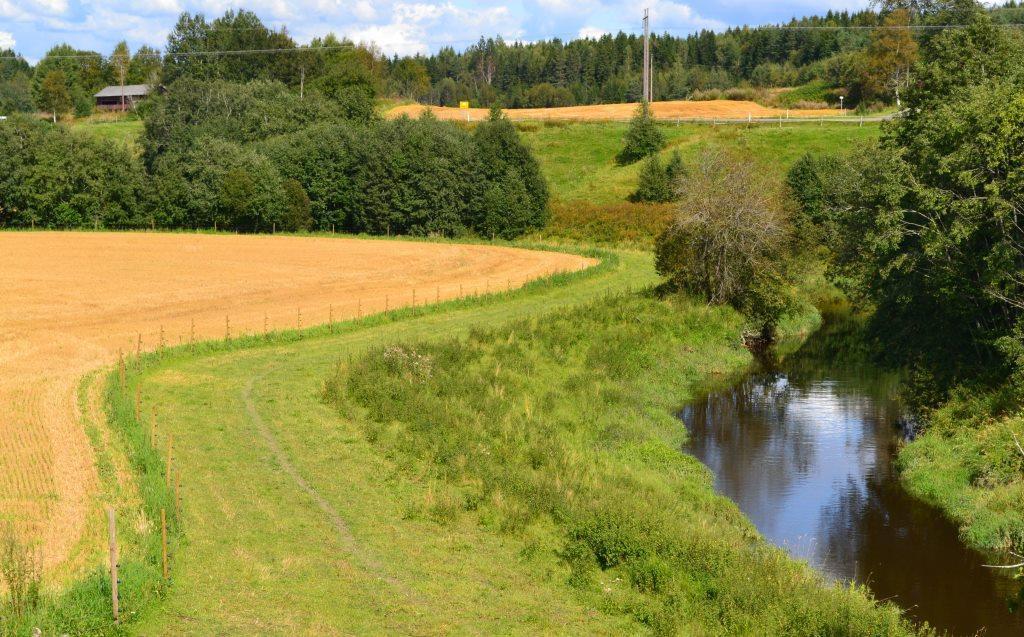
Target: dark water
x,y
806,450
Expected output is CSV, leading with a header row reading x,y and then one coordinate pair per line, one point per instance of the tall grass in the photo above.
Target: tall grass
x,y
969,463
567,423
618,224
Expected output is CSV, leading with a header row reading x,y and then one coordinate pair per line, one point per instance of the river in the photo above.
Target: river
x,y
806,449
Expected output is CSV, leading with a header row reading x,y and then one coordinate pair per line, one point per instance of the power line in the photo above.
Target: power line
x,y
352,45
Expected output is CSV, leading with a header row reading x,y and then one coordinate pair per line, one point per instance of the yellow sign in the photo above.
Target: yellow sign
x,y
463,104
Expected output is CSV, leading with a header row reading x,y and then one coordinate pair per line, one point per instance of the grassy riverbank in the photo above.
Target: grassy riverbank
x,y
560,433
971,465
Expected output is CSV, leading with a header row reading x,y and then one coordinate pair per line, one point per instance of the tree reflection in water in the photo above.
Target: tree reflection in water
x,y
805,448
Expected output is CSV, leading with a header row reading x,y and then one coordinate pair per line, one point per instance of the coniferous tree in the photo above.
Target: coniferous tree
x,y
654,185
642,138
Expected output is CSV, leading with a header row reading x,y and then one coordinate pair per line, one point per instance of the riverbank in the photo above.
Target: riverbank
x,y
970,464
559,434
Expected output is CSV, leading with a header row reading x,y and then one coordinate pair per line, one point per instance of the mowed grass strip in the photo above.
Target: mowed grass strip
x,y
260,554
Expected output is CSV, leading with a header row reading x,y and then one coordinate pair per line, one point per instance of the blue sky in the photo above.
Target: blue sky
x,y
396,26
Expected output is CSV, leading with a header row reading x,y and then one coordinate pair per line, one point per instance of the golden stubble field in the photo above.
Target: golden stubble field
x,y
682,109
73,301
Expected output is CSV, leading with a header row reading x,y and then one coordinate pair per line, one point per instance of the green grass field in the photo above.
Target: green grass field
x,y
579,158
124,130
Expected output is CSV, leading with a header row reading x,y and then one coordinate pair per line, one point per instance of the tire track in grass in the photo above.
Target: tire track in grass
x,y
345,537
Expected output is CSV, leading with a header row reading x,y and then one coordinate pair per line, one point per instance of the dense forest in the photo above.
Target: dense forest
x,y
838,53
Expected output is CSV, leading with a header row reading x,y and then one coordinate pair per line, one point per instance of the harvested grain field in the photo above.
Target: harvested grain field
x,y
73,301
679,109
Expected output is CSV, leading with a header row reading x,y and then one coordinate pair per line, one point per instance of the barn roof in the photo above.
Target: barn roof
x,y
129,90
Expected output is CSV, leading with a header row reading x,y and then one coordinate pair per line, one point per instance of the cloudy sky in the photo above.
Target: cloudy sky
x,y
396,26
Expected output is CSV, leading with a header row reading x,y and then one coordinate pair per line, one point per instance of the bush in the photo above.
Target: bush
x,y
730,239
509,165
642,138
418,177
653,184
657,183
20,574
297,207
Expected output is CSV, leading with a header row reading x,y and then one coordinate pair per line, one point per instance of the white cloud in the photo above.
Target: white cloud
x,y
591,32
400,39
364,11
6,40
674,15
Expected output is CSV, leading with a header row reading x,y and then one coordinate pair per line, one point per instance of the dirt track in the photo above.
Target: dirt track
x,y
682,109
72,301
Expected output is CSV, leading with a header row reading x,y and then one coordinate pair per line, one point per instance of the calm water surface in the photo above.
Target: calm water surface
x,y
806,451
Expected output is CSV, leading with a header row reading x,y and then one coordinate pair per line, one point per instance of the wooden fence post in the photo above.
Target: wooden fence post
x,y
163,542
114,558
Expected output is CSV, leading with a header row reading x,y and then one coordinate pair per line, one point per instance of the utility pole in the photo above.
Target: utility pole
x,y
647,57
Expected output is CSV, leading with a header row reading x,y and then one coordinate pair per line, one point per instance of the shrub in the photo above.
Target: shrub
x,y
505,160
642,138
729,241
653,184
297,206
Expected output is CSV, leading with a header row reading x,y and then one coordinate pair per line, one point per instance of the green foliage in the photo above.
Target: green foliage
x,y
657,183
730,241
643,137
15,88
54,178
922,226
84,73
54,95
240,113
566,421
969,464
514,176
217,183
297,214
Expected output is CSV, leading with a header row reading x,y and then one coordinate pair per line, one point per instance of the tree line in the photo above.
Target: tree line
x,y
838,53
257,156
